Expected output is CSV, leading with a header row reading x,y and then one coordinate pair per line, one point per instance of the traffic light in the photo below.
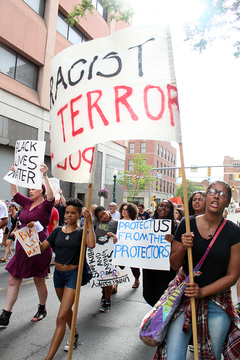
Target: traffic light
x,y
233,188
180,173
209,171
152,198
134,178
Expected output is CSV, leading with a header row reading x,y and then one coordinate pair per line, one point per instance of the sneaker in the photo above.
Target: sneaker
x,y
40,314
4,318
106,306
191,348
237,307
75,343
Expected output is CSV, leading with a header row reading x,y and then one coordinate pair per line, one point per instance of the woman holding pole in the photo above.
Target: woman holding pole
x,y
67,243
217,320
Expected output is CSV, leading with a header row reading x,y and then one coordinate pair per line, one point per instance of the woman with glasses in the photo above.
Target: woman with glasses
x,y
196,203
155,282
218,325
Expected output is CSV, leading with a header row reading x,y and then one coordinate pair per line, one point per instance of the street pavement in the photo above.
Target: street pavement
x,y
111,336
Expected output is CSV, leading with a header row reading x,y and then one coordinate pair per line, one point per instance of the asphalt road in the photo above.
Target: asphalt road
x,y
111,336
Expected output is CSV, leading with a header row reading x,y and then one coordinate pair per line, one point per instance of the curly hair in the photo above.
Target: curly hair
x,y
76,203
98,210
171,214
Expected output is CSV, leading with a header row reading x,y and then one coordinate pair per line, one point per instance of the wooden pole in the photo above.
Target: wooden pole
x,y
79,277
190,260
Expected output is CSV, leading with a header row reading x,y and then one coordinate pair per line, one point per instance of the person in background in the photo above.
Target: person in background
x,y
218,326
67,242
196,203
178,214
113,210
60,205
53,221
142,215
12,206
155,282
105,230
3,217
35,208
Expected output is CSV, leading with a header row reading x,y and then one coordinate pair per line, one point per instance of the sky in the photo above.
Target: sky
x,y
208,88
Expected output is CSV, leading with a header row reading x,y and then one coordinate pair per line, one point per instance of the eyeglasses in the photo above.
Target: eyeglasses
x,y
222,194
111,205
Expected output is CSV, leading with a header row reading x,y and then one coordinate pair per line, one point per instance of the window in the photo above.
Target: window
x,y
156,184
174,159
157,149
164,186
103,11
71,33
168,156
161,151
161,167
170,188
111,164
168,171
131,148
143,148
173,173
230,176
17,67
165,154
171,157
157,165
164,170
130,165
167,187
37,5
160,187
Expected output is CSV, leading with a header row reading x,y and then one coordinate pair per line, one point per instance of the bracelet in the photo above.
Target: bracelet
x,y
181,249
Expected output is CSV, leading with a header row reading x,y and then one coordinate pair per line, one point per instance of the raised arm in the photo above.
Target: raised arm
x,y
91,238
49,190
63,201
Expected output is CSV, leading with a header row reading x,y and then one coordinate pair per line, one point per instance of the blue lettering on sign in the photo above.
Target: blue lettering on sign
x,y
142,252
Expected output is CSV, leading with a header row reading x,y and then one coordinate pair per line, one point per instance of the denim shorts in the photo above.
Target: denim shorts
x,y
63,279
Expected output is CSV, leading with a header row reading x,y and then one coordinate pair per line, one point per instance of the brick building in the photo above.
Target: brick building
x,y
31,34
232,175
160,154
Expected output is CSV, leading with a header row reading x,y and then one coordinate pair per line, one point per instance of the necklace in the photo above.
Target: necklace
x,y
210,234
68,236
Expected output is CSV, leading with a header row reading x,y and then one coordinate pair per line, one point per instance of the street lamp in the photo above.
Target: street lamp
x,y
114,184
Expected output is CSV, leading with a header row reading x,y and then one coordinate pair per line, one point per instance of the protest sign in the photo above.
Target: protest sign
x,y
29,155
104,272
55,184
28,238
114,88
142,244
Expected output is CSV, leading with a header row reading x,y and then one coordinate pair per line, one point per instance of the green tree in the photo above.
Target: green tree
x,y
222,16
141,174
191,187
120,10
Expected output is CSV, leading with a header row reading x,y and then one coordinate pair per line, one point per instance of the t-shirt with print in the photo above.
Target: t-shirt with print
x,y
103,228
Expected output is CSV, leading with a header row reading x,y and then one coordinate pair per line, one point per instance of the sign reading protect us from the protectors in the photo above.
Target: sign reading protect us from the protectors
x,y
142,244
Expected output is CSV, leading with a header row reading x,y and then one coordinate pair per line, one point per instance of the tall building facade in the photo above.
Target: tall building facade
x,y
32,32
232,175
159,154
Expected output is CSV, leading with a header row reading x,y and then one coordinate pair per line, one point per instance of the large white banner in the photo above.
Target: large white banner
x,y
142,244
29,155
119,87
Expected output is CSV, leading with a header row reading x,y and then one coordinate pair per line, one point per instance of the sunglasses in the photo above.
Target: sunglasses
x,y
222,194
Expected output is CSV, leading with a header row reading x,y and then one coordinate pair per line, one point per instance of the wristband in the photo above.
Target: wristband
x,y
181,249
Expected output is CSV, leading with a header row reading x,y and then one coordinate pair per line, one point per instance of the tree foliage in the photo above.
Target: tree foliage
x,y
222,16
120,10
142,173
191,187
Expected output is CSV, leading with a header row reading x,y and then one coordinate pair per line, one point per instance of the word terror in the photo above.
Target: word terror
x,y
92,98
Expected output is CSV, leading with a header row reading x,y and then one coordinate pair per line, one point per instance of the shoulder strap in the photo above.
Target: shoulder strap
x,y
201,261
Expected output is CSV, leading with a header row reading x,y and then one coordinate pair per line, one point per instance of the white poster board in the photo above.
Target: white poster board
x,y
100,261
118,87
29,155
142,244
55,184
28,238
